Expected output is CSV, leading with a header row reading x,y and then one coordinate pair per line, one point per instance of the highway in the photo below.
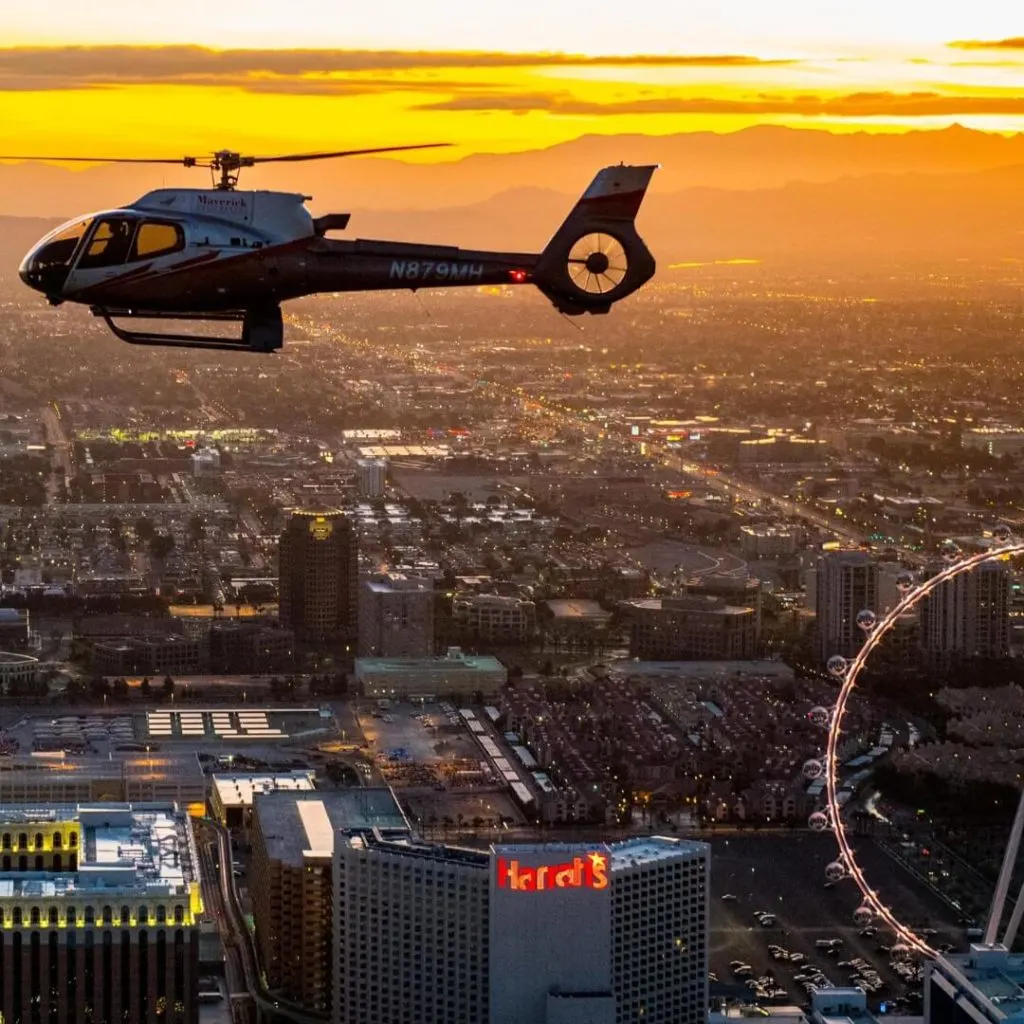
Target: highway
x,y
214,904
725,485
61,454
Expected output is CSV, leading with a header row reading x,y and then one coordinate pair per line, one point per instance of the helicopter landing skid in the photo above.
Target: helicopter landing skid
x,y
262,330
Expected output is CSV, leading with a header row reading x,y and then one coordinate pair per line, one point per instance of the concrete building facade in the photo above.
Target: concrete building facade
x,y
847,583
692,627
521,934
968,616
396,618
291,876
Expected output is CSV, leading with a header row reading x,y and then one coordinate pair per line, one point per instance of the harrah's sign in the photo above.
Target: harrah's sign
x,y
585,872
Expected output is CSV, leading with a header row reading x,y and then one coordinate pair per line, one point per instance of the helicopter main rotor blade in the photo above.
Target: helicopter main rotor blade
x,y
295,157
184,161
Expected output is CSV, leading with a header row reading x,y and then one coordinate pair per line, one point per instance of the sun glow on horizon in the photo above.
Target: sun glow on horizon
x,y
122,79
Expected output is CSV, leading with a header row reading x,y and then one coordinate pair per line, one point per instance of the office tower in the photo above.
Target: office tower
x,y
522,934
967,616
98,912
396,618
693,627
373,475
318,572
847,583
293,837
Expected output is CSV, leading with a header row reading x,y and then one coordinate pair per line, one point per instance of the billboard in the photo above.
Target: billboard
x,y
550,927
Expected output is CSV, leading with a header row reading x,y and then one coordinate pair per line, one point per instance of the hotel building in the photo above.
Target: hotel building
x,y
525,934
98,915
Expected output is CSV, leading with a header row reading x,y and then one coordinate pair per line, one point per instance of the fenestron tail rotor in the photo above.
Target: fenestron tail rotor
x,y
226,162
597,263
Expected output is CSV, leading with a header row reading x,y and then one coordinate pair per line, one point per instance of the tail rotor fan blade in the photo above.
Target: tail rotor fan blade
x,y
597,263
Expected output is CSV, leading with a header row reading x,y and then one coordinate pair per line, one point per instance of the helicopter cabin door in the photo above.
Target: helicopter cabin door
x,y
118,248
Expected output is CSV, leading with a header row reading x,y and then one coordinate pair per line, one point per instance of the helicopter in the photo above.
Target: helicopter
x,y
220,254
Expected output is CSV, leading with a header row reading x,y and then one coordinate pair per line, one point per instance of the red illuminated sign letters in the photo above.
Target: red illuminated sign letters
x,y
589,872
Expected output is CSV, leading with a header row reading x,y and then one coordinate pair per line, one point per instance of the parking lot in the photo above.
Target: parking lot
x,y
417,733
785,876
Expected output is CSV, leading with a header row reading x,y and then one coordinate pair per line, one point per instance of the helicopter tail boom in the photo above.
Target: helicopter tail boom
x,y
594,258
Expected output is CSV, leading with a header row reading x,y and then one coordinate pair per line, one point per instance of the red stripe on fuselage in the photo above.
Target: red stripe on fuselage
x,y
623,205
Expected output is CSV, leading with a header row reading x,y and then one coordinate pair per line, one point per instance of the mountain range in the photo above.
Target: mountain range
x,y
761,193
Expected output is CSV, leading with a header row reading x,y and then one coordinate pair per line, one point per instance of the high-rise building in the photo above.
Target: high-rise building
x,y
396,617
847,583
373,476
318,570
967,616
98,915
526,934
293,838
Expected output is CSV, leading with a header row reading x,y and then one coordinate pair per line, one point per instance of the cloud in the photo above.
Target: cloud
x,y
862,104
1013,43
290,71
309,85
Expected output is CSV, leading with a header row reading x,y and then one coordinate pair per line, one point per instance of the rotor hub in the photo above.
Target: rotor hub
x,y
597,263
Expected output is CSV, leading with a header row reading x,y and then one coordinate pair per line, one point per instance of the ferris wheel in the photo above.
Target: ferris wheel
x,y
847,672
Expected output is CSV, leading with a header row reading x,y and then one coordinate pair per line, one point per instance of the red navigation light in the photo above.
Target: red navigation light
x,y
518,276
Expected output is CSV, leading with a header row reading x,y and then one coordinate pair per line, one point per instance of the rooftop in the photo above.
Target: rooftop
x,y
22,771
454,661
634,852
705,669
697,603
124,849
570,609
240,790
409,846
993,976
298,824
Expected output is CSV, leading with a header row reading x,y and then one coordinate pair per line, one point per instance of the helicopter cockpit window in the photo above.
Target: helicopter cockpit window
x,y
157,238
57,250
109,245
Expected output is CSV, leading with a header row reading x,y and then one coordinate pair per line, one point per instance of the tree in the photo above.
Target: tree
x,y
99,687
144,529
161,545
196,530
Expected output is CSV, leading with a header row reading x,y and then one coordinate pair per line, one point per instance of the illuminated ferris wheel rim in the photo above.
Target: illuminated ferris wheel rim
x,y
849,681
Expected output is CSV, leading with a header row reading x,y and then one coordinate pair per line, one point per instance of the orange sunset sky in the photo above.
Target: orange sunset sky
x,y
150,78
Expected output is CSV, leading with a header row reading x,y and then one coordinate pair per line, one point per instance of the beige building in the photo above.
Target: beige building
x,y
291,881
494,618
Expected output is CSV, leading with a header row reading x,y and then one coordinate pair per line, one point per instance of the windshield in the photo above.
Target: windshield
x,y
58,247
